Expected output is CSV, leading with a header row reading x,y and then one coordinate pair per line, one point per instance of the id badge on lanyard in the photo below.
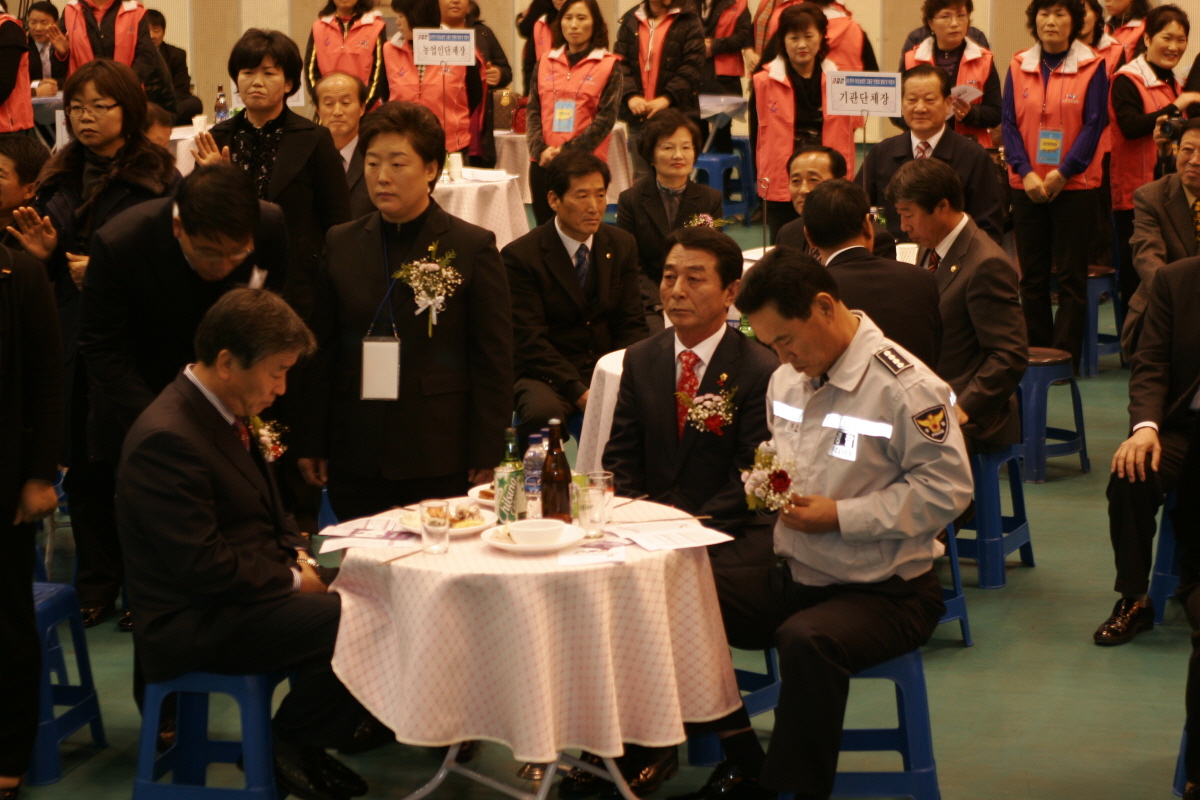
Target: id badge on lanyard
x,y
1050,145
564,116
380,368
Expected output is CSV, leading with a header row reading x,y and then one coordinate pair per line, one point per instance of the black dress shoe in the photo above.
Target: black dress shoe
x,y
728,782
337,776
292,776
645,769
125,623
1129,618
10,792
1191,792
94,616
369,735
579,783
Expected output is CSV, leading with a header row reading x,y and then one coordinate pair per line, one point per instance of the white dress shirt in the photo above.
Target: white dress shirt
x,y
933,141
573,244
44,51
843,250
348,153
704,351
943,247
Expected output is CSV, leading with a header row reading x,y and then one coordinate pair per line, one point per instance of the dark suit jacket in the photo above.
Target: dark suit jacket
x,y
640,211
900,298
975,168
984,349
455,386
699,473
1165,370
559,332
202,528
308,182
58,67
142,303
792,235
360,200
176,60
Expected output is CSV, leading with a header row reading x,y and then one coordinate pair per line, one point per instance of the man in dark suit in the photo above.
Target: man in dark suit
x,y
1163,381
218,576
187,105
341,101
44,65
900,298
984,350
1163,229
575,295
811,165
925,104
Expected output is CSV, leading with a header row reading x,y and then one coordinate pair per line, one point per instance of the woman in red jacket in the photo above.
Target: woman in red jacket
x,y
1127,22
727,32
348,37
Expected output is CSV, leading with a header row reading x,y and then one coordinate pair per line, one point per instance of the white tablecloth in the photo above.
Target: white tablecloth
x,y
484,644
512,156
597,417
496,206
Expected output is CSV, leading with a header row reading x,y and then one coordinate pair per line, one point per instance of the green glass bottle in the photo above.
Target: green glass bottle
x,y
745,329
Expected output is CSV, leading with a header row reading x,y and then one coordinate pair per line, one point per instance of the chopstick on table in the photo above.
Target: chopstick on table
x,y
672,519
402,555
631,500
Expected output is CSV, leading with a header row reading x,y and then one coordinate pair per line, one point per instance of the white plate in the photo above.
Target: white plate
x,y
571,535
410,520
483,502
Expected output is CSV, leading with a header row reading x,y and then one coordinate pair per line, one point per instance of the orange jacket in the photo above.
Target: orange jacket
x,y
651,35
355,53
1129,35
443,90
583,83
16,114
776,108
125,32
1056,106
1132,163
845,36
973,70
543,39
730,64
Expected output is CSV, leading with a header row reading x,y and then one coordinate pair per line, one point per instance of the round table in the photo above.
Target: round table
x,y
488,198
597,417
512,156
484,644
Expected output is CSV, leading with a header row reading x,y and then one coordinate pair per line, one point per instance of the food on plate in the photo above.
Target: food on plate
x,y
488,494
466,515
502,535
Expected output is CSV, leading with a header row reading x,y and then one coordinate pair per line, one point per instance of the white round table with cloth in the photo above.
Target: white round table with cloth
x,y
598,416
484,644
488,198
512,156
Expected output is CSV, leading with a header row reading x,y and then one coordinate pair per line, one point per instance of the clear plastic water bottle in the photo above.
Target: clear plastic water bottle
x,y
535,459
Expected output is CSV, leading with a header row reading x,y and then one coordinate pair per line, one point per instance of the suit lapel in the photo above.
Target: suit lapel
x,y
355,173
293,153
948,270
602,262
664,386
554,256
724,362
689,205
652,204
226,438
1180,214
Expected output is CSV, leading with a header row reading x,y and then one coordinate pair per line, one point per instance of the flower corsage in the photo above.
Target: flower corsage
x,y
432,281
269,435
769,483
709,412
706,221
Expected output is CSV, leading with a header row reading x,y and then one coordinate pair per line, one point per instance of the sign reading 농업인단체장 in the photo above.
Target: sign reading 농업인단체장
x,y
854,94
434,46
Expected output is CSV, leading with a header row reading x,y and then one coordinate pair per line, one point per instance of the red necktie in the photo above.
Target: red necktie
x,y
243,432
688,384
923,149
932,261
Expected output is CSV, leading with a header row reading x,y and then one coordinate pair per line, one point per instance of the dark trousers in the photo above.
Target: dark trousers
x,y
1123,224
1049,235
652,302
539,185
779,213
1186,519
352,496
536,404
188,107
21,662
823,635
91,497
1131,511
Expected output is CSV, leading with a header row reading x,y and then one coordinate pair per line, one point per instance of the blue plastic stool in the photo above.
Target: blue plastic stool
x,y
188,759
762,694
741,146
995,534
912,738
1096,344
1181,768
1165,578
1046,367
955,600
55,603
713,167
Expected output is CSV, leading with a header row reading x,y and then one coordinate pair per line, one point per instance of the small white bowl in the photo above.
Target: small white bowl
x,y
536,531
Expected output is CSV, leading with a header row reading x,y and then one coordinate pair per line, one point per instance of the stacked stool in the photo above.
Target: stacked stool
x,y
711,169
1048,366
1095,344
995,534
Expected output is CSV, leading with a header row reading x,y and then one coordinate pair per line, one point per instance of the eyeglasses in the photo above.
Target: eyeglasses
x,y
670,149
95,110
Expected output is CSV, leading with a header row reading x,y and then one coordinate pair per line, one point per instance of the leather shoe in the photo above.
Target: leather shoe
x,y
1129,618
125,623
369,735
645,769
94,616
579,783
10,792
337,776
466,751
1191,792
294,777
728,782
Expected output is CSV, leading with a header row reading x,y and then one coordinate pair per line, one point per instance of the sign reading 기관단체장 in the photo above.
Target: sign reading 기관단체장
x,y
435,46
853,94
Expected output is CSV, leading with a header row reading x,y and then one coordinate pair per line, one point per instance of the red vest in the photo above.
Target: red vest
x,y
583,83
973,70
543,39
354,53
1111,51
125,32
730,64
845,36
776,107
1133,161
1129,35
1059,106
650,45
17,112
451,108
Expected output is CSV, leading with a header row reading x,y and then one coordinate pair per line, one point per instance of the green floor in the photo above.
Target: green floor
x,y
1034,710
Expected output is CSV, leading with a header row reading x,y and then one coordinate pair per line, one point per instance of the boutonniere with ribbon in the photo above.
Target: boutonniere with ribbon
x,y
433,281
269,435
769,482
709,412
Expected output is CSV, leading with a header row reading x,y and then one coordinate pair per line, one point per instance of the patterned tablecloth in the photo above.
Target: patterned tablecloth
x,y
598,416
512,156
485,644
495,205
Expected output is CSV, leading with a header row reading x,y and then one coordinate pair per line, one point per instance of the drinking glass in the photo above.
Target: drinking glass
x,y
603,480
435,526
594,504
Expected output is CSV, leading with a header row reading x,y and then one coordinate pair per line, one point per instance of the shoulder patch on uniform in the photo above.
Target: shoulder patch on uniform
x,y
932,423
892,359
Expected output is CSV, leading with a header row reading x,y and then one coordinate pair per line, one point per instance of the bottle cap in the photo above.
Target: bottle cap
x,y
555,421
535,438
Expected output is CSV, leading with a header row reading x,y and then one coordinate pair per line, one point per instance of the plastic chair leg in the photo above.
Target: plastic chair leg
x,y
1077,403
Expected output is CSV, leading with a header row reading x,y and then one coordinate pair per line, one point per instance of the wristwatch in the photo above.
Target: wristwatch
x,y
302,558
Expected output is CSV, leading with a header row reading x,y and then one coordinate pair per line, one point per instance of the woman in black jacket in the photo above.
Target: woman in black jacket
x,y
666,72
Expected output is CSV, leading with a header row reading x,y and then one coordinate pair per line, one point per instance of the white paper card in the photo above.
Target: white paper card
x,y
675,535
406,541
380,368
853,94
434,46
598,552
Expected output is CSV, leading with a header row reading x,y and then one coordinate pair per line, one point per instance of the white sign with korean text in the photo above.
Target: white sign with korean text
x,y
434,46
853,94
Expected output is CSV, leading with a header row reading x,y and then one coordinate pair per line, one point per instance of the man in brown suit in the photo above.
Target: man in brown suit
x,y
984,351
